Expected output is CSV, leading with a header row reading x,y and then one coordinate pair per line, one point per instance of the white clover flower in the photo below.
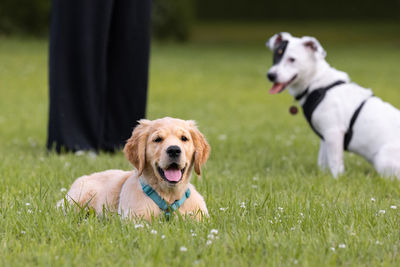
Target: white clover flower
x,y
382,211
32,142
293,228
373,199
210,236
23,232
393,207
280,209
333,249
63,189
271,222
243,205
30,211
194,234
214,231
154,232
183,249
27,204
223,209
301,214
139,226
342,246
209,242
378,242
163,237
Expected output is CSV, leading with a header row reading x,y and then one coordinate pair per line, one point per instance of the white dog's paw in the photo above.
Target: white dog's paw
x,y
323,163
337,171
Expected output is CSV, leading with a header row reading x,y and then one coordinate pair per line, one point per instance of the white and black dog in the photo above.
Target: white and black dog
x,y
343,114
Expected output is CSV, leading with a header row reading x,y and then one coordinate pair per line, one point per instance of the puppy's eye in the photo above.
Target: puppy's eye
x,y
184,138
291,59
158,140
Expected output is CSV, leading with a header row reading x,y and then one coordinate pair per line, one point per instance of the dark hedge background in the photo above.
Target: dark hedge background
x,y
295,9
173,18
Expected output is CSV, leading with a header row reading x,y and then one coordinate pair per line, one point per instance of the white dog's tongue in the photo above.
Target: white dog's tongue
x,y
276,88
173,175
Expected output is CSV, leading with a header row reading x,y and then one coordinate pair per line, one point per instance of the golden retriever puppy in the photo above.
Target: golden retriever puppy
x,y
164,152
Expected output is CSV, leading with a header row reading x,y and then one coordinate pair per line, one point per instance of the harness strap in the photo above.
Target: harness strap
x,y
349,132
313,100
161,203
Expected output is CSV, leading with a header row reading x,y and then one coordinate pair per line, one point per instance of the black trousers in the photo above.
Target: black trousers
x,y
99,54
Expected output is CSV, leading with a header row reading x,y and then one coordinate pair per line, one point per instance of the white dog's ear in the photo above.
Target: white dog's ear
x,y
202,148
314,45
135,148
275,40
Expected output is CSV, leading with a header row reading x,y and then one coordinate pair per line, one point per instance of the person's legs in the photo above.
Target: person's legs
x,y
127,71
78,47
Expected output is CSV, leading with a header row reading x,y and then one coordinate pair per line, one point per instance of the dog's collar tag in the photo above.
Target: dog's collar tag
x,y
293,110
279,52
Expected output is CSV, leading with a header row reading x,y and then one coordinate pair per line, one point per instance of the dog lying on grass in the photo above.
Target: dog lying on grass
x,y
343,114
164,152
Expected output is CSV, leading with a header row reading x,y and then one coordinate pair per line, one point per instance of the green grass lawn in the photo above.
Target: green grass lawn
x,y
267,199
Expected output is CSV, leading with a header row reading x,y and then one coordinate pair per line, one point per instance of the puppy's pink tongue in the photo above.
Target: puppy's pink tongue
x,y
173,175
276,88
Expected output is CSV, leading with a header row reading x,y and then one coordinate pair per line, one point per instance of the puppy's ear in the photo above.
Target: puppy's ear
x,y
135,148
202,148
275,40
313,44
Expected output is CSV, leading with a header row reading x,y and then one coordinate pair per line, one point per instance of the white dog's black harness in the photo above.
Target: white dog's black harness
x,y
315,98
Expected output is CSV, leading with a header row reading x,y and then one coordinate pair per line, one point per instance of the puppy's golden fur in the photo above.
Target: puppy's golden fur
x,y
117,190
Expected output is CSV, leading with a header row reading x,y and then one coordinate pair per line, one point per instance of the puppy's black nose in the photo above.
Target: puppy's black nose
x,y
271,76
174,151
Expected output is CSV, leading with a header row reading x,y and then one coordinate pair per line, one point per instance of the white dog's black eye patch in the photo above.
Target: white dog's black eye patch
x,y
279,52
